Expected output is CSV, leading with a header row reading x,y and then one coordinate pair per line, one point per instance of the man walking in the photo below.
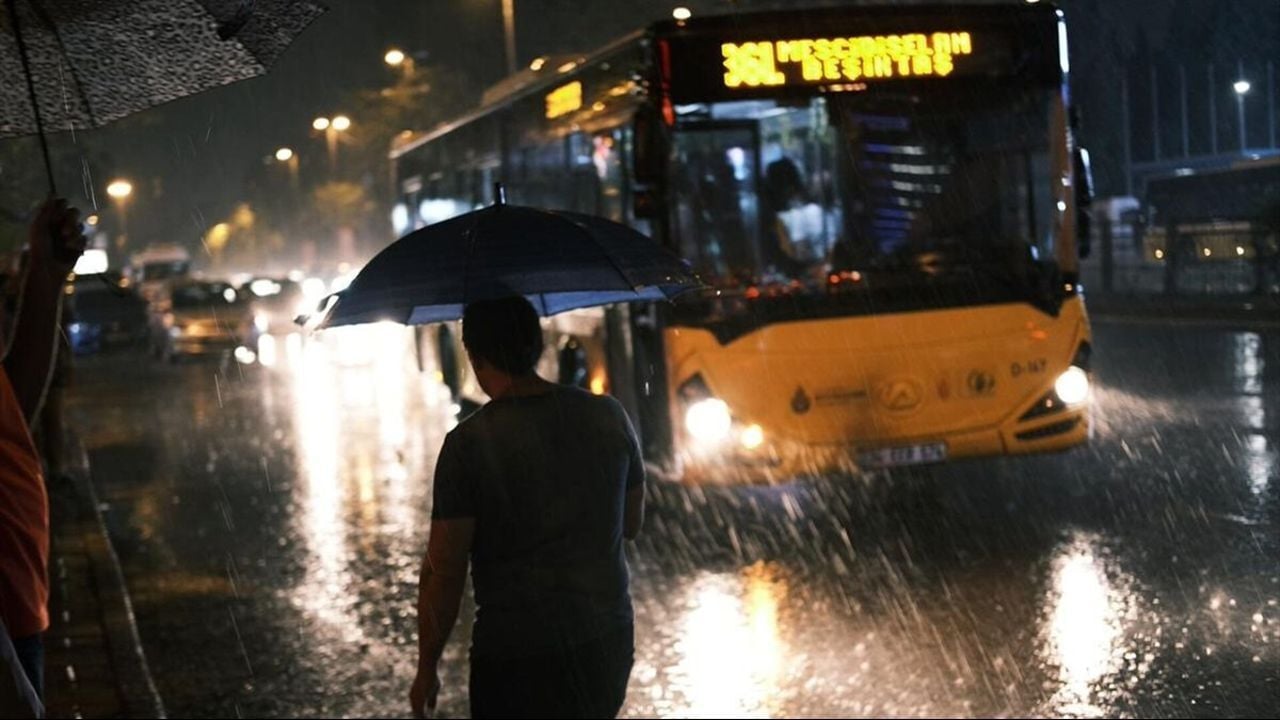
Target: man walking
x,y
536,491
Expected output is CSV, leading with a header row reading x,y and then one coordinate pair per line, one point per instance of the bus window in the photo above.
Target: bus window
x,y
608,167
549,176
860,181
933,174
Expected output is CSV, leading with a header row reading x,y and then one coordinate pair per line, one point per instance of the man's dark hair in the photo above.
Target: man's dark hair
x,y
505,333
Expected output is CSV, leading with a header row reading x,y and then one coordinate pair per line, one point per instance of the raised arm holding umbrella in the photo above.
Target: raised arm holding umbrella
x,y
70,66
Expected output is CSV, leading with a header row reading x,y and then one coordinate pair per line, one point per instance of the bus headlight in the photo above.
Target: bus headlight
x,y
1072,386
708,420
261,322
752,437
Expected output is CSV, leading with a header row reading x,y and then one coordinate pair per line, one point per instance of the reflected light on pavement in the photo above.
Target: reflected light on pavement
x,y
1248,364
1085,629
1261,464
323,591
267,351
732,654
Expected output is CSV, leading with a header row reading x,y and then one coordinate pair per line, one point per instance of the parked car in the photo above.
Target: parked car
x,y
104,313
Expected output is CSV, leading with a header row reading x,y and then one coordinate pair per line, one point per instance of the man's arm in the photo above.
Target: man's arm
x,y
633,513
440,587
55,242
633,510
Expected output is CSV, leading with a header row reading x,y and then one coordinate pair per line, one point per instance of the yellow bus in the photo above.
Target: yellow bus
x,y
887,203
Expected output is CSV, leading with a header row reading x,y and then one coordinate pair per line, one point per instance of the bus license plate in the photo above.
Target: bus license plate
x,y
906,455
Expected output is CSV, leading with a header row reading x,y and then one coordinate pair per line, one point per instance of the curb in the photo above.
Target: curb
x,y
128,659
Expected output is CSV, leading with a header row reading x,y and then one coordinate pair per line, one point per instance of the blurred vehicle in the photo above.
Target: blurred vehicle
x,y
157,265
196,317
276,302
104,312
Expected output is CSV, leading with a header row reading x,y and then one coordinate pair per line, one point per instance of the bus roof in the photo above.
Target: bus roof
x,y
518,86
811,22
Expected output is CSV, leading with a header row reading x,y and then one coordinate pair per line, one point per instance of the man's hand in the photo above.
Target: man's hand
x,y
56,239
425,691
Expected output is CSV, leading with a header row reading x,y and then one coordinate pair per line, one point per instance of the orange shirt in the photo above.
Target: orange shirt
x,y
24,523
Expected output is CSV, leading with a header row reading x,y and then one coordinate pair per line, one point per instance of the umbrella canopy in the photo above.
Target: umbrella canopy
x,y
558,260
78,64
96,61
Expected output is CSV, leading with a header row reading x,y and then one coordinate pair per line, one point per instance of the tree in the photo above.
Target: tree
x,y
341,214
420,99
344,215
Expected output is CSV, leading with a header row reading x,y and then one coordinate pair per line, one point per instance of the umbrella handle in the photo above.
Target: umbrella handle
x,y
31,92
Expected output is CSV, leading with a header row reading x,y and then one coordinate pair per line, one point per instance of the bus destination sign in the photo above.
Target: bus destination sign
x,y
564,100
823,61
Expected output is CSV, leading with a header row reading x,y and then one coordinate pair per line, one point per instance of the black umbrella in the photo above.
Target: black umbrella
x,y
78,64
558,260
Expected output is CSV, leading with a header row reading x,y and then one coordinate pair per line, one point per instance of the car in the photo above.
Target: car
x,y
192,318
277,303
156,267
104,312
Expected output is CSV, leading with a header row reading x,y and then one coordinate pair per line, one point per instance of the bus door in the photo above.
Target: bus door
x,y
714,197
711,192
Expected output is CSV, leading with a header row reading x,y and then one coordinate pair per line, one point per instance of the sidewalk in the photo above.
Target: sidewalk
x,y
1238,311
94,664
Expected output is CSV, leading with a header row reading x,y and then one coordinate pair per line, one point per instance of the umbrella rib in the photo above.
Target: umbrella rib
x,y
219,26
53,28
473,232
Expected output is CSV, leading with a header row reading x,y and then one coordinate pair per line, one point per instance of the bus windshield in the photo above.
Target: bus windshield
x,y
898,182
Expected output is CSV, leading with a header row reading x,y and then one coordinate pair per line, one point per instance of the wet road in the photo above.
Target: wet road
x,y
270,522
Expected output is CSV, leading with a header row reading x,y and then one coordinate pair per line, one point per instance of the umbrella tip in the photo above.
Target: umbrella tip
x,y
499,194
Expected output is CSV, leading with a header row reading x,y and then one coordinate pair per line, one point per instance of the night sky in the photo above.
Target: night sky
x,y
190,159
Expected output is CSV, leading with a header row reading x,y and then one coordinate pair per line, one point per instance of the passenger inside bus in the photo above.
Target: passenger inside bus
x,y
798,223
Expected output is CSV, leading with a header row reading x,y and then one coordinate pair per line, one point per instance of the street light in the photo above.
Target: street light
x,y
331,128
395,57
290,159
509,34
682,13
1241,87
120,190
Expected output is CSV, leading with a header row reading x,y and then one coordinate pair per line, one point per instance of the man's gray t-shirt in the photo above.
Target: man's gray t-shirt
x,y
545,478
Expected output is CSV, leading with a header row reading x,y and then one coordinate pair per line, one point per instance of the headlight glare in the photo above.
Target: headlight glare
x,y
1072,386
708,421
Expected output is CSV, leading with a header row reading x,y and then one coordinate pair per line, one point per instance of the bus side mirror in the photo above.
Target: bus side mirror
x,y
1084,201
650,147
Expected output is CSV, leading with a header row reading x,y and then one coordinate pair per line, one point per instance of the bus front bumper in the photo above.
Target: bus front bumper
x,y
783,461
